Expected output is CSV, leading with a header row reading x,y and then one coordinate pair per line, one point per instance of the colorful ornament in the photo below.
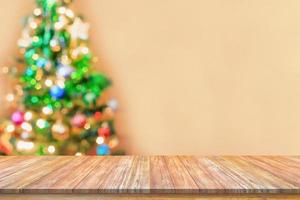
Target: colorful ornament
x,y
103,150
113,142
17,117
79,120
97,116
57,92
104,132
60,131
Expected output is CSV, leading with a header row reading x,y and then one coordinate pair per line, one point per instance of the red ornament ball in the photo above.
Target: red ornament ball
x,y
17,117
98,115
79,120
104,132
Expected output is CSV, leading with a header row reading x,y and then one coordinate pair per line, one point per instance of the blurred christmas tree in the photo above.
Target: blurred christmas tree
x,y
57,101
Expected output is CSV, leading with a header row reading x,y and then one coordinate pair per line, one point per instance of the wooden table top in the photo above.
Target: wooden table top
x,y
151,174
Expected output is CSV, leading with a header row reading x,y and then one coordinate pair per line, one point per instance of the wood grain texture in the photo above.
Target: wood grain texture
x,y
211,175
146,197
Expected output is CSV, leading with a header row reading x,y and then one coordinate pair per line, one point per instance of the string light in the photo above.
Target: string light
x,y
48,82
35,56
37,11
41,123
60,83
25,135
51,149
100,140
28,116
10,128
35,39
58,25
24,145
87,126
85,50
70,13
47,110
33,25
10,97
26,126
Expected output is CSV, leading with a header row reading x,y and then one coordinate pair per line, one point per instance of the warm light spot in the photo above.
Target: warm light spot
x,y
100,140
51,149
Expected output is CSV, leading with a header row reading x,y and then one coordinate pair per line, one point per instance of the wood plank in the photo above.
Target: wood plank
x,y
281,164
64,178
114,182
262,180
14,183
276,171
93,181
268,182
138,180
202,177
5,158
239,175
228,184
182,181
110,177
160,177
16,164
148,197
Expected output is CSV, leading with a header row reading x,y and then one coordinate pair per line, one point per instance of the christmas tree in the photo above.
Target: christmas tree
x,y
57,101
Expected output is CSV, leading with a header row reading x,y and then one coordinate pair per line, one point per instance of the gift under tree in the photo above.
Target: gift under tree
x,y
57,103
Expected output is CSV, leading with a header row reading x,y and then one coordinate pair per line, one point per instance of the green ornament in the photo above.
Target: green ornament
x,y
40,151
34,100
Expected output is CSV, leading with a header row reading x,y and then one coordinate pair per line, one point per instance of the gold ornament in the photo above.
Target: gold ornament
x,y
76,130
113,142
60,131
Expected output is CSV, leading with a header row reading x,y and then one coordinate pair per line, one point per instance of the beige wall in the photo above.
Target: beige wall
x,y
194,76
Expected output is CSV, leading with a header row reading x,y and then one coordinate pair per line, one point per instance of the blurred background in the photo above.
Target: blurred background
x,y
191,77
